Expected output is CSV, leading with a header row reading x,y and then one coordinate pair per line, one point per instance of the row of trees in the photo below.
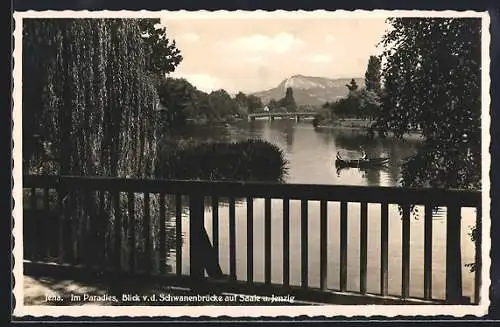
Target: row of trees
x,y
181,101
287,102
361,102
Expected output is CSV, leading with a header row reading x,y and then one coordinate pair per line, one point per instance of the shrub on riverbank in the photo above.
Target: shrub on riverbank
x,y
250,160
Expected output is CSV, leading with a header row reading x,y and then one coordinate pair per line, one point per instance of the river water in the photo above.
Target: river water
x,y
311,153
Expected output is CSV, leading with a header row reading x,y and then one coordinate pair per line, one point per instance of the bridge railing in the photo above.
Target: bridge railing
x,y
109,223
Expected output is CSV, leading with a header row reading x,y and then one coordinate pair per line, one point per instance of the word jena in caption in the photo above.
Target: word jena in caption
x,y
81,298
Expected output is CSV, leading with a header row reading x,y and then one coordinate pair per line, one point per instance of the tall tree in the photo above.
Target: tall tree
x,y
89,108
372,75
222,104
86,98
175,96
242,100
254,103
352,86
432,76
161,53
288,101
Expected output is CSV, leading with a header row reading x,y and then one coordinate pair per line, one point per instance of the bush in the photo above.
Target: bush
x,y
250,160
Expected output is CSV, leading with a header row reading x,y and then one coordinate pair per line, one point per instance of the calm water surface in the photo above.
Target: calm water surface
x,y
311,154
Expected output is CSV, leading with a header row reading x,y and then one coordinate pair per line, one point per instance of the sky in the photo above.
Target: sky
x,y
251,54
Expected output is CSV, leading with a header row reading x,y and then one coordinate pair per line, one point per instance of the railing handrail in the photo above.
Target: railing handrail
x,y
312,192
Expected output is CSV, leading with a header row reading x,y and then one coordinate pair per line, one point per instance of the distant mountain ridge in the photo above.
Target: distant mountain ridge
x,y
309,90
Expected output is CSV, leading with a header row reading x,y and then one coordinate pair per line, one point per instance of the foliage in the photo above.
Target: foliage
x,y
162,54
432,81
286,104
222,104
372,75
181,101
175,95
352,86
359,103
288,101
432,76
369,103
249,103
273,104
251,160
88,106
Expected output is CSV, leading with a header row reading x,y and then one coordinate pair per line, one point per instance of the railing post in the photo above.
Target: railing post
x,y
196,230
453,256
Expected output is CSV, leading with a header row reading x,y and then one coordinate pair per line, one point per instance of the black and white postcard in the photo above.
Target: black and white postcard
x,y
251,163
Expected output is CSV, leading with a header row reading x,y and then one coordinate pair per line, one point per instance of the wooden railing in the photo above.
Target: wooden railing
x,y
204,254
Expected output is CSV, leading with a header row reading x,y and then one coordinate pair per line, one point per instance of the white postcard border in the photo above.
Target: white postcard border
x,y
241,311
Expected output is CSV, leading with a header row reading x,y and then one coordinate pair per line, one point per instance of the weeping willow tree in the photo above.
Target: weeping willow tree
x,y
88,106
88,103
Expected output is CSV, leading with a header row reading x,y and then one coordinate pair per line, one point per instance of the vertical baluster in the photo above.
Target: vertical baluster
x,y
72,225
384,248
267,240
364,247
47,223
86,243
131,226
215,226
286,242
196,240
117,230
428,252
178,234
323,245
61,221
34,223
33,205
304,243
232,239
343,246
478,256
101,230
453,256
405,285
163,238
147,233
250,240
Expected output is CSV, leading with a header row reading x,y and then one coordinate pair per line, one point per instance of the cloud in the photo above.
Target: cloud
x,y
253,59
319,58
203,82
258,43
329,38
190,37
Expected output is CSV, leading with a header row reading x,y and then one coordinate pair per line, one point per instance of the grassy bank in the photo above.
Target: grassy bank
x,y
250,160
360,124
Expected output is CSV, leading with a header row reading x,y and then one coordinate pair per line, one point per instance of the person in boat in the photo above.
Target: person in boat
x,y
363,155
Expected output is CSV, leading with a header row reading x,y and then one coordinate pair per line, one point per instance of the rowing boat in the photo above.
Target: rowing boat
x,y
368,162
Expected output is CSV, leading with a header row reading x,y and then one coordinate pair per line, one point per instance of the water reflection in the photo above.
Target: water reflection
x,y
311,154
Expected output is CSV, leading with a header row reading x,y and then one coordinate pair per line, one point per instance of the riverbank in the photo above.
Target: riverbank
x,y
362,125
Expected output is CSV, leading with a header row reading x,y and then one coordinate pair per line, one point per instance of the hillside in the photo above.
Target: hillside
x,y
309,90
